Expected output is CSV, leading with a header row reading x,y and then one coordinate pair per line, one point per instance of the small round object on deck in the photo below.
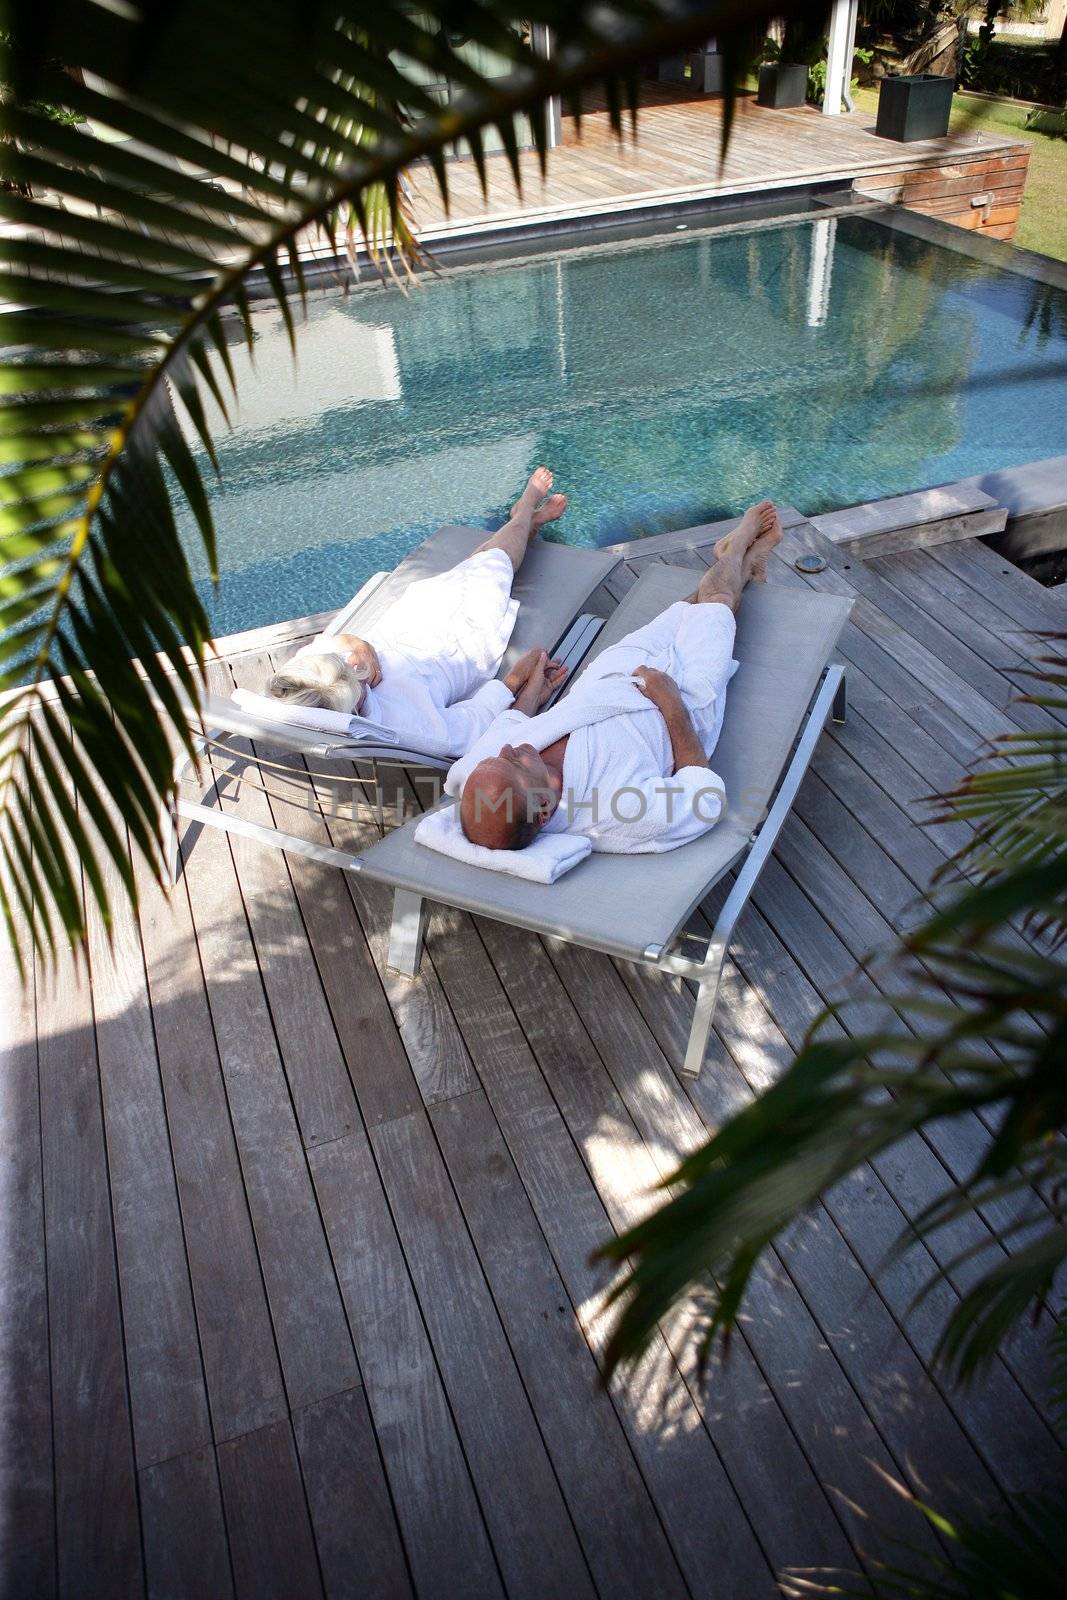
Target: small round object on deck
x,y
810,562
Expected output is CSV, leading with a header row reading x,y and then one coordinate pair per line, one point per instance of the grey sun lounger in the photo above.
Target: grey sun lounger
x,y
635,906
552,587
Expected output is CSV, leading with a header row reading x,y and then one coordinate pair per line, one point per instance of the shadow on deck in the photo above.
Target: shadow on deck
x,y
296,1272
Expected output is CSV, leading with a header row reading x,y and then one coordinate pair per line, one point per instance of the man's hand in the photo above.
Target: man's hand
x,y
363,656
516,678
659,687
542,681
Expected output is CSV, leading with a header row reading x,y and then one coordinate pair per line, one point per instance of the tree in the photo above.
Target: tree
x,y
251,124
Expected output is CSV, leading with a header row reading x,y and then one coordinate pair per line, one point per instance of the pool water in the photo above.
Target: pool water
x,y
822,363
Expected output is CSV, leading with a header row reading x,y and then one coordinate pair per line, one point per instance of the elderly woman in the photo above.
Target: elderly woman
x,y
427,669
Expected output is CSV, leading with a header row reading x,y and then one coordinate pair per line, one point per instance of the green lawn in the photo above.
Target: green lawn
x,y
1043,221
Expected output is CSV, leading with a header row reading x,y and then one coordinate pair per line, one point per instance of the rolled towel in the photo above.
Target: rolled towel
x,y
285,714
546,859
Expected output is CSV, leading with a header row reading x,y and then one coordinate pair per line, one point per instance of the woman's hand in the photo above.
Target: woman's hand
x,y
363,656
520,672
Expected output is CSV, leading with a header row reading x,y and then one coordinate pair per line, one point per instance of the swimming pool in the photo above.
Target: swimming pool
x,y
822,362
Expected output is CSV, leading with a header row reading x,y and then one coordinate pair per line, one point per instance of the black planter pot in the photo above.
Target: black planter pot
x,y
783,83
914,108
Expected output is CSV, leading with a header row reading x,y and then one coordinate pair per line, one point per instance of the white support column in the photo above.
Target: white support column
x,y
839,58
544,44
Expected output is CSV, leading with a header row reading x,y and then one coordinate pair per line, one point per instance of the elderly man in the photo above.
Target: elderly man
x,y
425,673
623,758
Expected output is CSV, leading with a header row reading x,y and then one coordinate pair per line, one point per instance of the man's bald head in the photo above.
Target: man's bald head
x,y
496,810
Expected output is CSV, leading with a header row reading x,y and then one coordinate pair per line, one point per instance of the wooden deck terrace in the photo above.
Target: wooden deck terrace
x,y
296,1282
972,178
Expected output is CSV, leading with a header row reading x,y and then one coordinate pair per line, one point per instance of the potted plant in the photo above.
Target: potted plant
x,y
916,106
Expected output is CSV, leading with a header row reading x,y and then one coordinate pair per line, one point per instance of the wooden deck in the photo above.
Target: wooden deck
x,y
675,157
296,1283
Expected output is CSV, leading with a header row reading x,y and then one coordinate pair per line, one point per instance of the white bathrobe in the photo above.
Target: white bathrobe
x,y
619,787
439,647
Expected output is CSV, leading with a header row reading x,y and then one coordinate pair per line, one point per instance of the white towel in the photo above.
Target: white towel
x,y
546,859
313,718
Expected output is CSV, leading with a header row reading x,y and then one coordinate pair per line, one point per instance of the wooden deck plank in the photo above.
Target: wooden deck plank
x,y
425,1060
970,615
94,1466
1017,594
373,1050
676,155
582,1433
959,678
747,1055
693,1499
244,1379
754,1038
250,968
299,1014
743,1422
167,1392
267,1517
356,1535
533,1537
187,1553
919,1167
314,1346
436,1506
27,1521
802,1372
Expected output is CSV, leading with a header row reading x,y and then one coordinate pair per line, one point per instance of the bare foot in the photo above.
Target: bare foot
x,y
757,520
754,565
551,511
539,483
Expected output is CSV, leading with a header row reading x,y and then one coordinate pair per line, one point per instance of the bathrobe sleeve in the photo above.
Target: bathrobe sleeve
x,y
466,720
661,814
498,733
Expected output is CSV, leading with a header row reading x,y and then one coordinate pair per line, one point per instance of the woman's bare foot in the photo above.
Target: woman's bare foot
x,y
551,511
757,520
539,483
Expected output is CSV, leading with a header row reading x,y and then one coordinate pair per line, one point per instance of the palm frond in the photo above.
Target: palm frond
x,y
1019,1552
957,987
200,146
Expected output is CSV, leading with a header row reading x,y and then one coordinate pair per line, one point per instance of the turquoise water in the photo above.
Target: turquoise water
x,y
667,383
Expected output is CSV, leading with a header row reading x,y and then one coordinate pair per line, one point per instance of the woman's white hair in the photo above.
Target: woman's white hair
x,y
322,680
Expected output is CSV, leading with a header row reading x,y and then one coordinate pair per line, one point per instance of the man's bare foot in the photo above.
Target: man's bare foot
x,y
539,483
551,511
754,564
757,520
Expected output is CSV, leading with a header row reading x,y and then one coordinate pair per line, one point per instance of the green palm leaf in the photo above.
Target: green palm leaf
x,y
238,129
958,988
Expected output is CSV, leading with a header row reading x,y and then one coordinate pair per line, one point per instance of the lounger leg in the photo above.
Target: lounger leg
x,y
406,933
840,706
703,1013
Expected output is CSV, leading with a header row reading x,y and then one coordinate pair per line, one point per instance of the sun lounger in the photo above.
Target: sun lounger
x,y
635,906
552,587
